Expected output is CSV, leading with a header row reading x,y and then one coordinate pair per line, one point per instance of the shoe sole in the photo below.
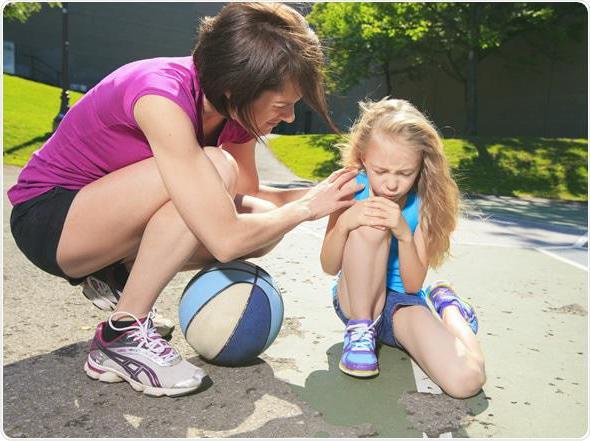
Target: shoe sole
x,y
108,376
357,373
100,302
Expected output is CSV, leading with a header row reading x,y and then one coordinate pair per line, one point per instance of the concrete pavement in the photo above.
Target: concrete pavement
x,y
532,308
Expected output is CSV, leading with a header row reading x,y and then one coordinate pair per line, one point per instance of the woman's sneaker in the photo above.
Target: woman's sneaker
x,y
358,354
442,294
143,358
104,288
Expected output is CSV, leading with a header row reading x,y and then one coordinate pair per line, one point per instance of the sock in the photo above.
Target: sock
x,y
109,334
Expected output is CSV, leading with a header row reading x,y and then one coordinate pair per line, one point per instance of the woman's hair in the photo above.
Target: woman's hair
x,y
394,118
250,48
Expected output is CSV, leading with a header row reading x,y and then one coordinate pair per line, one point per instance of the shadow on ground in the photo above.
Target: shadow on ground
x,y
389,402
50,396
503,171
38,139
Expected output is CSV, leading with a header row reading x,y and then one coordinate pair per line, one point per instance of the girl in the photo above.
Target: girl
x,y
383,245
127,182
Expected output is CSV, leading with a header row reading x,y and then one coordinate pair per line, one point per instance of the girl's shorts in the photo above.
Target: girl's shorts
x,y
36,226
393,301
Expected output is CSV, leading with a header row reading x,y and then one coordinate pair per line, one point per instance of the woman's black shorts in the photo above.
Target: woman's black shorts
x,y
36,226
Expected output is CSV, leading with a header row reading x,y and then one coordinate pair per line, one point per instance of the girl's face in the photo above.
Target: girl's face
x,y
392,165
272,107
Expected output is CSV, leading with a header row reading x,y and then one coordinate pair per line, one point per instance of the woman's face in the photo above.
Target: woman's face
x,y
272,107
392,165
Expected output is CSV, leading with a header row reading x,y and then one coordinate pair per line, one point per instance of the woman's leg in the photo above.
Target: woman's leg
x,y
244,204
127,212
446,349
361,290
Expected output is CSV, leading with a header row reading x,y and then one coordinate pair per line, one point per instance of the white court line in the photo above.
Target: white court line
x,y
581,241
563,259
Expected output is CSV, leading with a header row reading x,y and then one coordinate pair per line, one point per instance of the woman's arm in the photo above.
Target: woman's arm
x,y
333,245
248,182
195,187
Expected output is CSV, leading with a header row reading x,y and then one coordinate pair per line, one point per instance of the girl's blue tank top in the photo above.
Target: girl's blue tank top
x,y
411,213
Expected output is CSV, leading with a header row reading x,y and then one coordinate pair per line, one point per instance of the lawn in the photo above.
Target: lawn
x,y
554,168
29,110
522,166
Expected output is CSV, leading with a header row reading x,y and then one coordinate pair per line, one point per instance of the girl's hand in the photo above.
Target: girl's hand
x,y
331,194
390,216
360,214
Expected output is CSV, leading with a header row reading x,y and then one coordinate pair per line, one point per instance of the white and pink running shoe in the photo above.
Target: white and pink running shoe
x,y
143,358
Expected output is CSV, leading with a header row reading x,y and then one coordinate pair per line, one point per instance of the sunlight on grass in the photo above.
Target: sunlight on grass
x,y
517,166
29,110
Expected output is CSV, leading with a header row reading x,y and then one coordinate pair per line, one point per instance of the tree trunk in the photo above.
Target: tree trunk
x,y
387,78
471,104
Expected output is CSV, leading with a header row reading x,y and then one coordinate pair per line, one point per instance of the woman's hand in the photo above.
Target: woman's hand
x,y
361,214
389,215
331,194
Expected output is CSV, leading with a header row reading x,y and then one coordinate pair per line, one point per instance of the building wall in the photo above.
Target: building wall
x,y
548,97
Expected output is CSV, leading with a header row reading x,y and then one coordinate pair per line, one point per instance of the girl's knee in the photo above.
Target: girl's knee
x,y
369,235
464,382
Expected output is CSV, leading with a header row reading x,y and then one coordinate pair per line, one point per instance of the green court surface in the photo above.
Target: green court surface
x,y
532,307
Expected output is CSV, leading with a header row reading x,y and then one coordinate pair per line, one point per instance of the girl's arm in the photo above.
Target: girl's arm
x,y
340,224
197,190
413,261
248,182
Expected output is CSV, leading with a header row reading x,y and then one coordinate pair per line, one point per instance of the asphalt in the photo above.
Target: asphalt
x,y
515,261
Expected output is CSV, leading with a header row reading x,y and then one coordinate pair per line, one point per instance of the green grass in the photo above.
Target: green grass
x,y
29,110
523,166
555,168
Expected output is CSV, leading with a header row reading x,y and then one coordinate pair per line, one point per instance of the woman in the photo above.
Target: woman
x,y
127,179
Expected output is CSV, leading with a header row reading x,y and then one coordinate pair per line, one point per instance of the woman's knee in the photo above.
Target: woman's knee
x,y
226,166
464,381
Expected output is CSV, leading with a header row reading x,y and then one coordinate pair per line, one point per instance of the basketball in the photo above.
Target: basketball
x,y
231,312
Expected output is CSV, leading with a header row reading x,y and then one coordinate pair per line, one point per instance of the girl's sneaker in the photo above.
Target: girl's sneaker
x,y
358,354
143,358
104,288
442,294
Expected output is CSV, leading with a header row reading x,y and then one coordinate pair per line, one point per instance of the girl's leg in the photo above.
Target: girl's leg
x,y
361,294
361,289
129,211
446,350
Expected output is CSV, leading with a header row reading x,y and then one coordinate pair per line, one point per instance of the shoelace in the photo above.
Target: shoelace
x,y
362,336
149,336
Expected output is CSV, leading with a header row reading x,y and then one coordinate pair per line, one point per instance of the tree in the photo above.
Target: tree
x,y
368,39
21,11
389,39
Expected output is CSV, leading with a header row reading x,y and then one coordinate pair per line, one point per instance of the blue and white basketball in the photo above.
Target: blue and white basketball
x,y
231,312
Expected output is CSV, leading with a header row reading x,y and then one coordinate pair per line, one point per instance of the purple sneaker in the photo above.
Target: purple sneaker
x,y
143,358
358,354
442,294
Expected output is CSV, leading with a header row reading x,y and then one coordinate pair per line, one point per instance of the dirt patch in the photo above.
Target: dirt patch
x,y
279,363
573,309
434,414
291,326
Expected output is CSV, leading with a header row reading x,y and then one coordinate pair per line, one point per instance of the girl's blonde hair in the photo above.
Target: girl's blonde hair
x,y
438,191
